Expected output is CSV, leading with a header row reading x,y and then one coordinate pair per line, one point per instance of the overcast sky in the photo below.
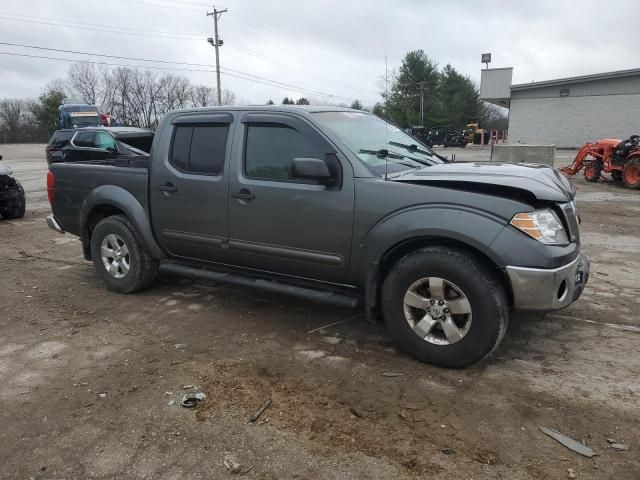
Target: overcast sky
x,y
328,47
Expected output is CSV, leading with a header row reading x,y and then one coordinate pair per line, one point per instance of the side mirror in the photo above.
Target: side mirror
x,y
311,169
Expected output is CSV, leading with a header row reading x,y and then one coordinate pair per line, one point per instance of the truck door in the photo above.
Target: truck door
x,y
188,187
281,224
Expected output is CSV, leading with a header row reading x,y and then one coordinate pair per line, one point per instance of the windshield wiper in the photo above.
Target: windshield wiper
x,y
414,148
384,153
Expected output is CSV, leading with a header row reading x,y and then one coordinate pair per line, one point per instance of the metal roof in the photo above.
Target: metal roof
x,y
582,78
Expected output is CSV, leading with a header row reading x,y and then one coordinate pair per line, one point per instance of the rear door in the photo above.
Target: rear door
x,y
279,223
188,187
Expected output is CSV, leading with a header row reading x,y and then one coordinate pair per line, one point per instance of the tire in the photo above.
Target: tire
x,y
133,268
17,209
592,171
480,330
616,175
631,174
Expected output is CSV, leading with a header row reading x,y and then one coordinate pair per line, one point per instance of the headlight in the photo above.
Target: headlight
x,y
543,225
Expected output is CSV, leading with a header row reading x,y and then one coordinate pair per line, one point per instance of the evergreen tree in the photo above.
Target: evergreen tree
x,y
356,105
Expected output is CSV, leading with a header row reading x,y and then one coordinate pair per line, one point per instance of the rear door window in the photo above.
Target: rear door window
x,y
85,139
105,141
199,149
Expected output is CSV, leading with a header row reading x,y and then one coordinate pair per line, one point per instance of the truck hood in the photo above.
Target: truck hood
x,y
541,181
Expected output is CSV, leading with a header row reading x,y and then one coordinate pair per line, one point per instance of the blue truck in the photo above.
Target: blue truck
x,y
74,113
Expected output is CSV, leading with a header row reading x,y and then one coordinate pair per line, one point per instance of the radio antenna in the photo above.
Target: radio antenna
x,y
386,117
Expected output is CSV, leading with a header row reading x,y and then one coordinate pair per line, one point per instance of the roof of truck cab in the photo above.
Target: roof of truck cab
x,y
269,108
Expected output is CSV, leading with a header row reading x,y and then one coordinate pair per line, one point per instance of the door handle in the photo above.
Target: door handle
x,y
168,188
243,194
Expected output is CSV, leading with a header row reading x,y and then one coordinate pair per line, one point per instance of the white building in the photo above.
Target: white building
x,y
567,112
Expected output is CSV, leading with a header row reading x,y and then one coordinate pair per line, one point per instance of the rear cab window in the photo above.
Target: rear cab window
x,y
199,149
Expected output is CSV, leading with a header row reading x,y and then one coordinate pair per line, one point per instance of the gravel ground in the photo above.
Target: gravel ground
x,y
91,381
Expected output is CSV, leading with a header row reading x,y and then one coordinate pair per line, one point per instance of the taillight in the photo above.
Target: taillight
x,y
50,182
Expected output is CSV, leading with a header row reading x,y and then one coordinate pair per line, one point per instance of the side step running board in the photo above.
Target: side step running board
x,y
320,296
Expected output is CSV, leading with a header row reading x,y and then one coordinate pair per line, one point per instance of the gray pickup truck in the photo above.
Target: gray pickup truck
x,y
333,205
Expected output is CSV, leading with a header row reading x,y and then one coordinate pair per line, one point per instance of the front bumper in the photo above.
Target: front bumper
x,y
548,289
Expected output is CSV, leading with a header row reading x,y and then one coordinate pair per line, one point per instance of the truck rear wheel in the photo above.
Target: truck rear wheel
x,y
119,257
631,174
444,307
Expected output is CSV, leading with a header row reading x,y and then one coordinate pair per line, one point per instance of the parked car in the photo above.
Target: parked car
x,y
446,136
98,144
12,199
332,205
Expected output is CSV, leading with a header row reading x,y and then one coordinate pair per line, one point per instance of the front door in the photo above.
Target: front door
x,y
189,188
282,224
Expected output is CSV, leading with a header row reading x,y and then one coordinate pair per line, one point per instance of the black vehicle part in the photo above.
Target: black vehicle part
x,y
12,199
320,296
119,256
465,278
592,171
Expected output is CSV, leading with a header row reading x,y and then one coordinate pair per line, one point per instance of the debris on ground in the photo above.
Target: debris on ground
x,y
102,395
448,451
232,464
391,374
334,323
618,446
356,412
188,387
571,473
191,400
181,345
568,442
264,406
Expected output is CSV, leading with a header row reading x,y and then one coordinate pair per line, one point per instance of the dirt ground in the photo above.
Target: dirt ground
x,y
91,381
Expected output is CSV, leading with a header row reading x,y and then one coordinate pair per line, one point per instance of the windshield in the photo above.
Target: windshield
x,y
368,136
85,119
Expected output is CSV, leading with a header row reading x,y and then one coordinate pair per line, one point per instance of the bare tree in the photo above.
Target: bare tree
x,y
13,112
228,97
86,81
203,96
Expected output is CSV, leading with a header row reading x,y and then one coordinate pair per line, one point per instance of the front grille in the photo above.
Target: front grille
x,y
571,217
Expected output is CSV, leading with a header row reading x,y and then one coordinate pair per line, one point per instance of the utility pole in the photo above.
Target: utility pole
x,y
217,43
421,103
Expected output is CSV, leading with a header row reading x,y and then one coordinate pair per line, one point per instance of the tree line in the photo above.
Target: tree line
x,y
449,98
140,98
134,97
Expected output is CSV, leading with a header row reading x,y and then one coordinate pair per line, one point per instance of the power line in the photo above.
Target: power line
x,y
106,29
241,75
298,51
139,59
62,20
176,35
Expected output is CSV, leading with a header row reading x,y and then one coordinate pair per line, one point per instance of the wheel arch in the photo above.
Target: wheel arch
x,y
108,200
380,269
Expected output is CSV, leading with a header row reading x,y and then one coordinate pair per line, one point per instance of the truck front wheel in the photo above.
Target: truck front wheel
x,y
119,256
444,307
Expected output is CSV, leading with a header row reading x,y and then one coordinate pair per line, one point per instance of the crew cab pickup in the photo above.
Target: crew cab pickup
x,y
333,205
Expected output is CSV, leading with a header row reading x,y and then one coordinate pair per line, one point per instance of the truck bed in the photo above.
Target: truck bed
x,y
75,184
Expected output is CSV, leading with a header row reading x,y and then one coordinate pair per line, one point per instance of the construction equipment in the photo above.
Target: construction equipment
x,y
620,158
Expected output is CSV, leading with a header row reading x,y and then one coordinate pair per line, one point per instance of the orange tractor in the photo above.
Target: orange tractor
x,y
620,158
